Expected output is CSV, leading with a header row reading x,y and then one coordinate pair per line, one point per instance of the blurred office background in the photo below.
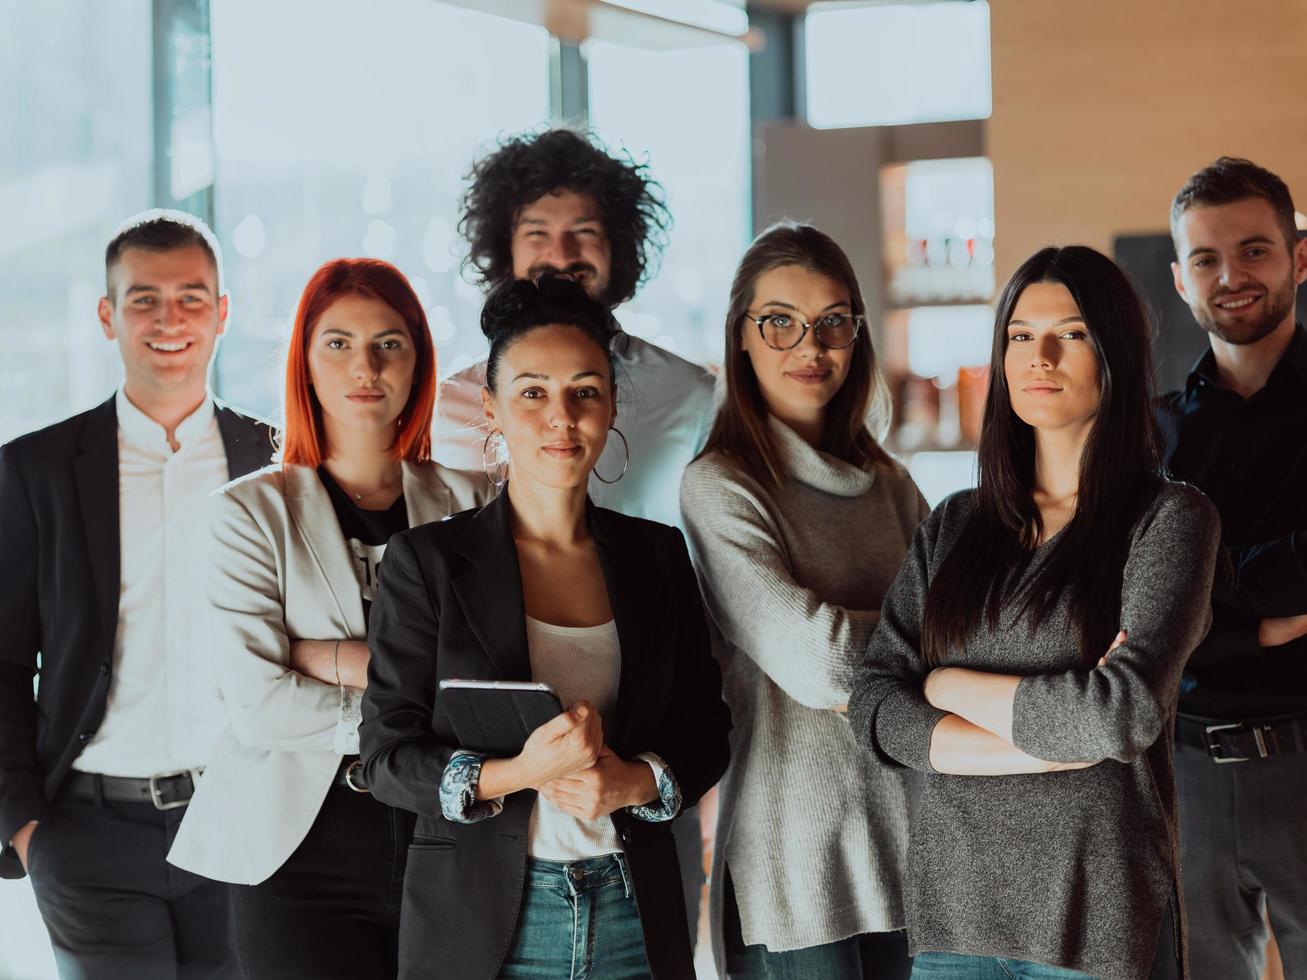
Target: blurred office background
x,y
939,141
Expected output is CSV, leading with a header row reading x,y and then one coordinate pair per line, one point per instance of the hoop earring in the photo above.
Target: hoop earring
x,y
499,476
625,463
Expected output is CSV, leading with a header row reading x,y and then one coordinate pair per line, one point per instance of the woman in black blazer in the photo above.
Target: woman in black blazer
x,y
562,857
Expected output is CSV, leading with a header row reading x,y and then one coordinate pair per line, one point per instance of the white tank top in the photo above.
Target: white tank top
x,y
580,663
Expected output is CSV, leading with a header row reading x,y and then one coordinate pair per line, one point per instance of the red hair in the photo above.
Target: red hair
x,y
304,439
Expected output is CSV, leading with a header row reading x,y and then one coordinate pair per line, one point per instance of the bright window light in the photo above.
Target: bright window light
x,y
889,64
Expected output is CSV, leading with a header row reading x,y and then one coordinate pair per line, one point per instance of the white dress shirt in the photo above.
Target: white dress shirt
x,y
164,710
664,408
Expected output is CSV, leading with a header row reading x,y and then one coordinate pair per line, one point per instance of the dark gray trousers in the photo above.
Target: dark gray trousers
x,y
115,909
1243,850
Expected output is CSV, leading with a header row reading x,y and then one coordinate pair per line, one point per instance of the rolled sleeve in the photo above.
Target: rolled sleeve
x,y
668,804
458,790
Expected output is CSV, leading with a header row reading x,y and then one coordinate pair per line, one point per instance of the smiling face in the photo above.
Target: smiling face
x,y
361,361
563,232
165,313
554,403
1235,269
797,384
1050,364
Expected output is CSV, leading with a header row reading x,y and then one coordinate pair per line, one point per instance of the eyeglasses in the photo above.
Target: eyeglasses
x,y
834,331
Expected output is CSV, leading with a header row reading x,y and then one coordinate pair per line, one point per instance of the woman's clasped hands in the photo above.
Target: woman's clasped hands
x,y
567,762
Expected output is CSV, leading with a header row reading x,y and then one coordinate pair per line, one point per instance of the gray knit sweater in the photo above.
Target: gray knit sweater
x,y
1073,868
814,832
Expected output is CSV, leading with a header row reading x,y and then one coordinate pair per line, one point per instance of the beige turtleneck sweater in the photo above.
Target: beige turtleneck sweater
x,y
814,832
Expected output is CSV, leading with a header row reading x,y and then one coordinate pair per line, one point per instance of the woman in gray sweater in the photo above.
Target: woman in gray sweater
x,y
1029,654
798,521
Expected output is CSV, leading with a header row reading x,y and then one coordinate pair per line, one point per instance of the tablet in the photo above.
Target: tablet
x,y
496,717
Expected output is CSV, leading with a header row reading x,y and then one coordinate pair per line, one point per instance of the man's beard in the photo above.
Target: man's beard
x,y
582,272
1243,331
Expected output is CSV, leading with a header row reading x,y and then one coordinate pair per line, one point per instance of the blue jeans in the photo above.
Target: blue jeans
x,y
578,922
956,966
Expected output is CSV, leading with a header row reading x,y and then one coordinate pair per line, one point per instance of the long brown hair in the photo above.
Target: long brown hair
x,y
740,430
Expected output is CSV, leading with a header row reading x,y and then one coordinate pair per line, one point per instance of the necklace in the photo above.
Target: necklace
x,y
360,495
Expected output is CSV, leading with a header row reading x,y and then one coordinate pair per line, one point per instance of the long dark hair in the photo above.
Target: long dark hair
x,y
1119,475
740,430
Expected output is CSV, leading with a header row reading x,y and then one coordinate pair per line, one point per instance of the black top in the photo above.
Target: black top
x,y
1250,457
366,533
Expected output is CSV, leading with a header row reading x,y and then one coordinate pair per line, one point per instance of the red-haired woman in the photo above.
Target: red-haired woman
x,y
281,812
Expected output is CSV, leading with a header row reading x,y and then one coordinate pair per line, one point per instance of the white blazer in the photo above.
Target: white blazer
x,y
282,571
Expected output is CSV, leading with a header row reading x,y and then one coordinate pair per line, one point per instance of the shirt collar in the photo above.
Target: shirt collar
x,y
1292,362
143,432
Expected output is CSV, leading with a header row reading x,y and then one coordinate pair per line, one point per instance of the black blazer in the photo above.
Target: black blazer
x,y
59,527
450,605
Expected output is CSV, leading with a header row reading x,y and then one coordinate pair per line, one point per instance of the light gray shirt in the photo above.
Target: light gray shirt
x,y
664,409
1076,868
814,833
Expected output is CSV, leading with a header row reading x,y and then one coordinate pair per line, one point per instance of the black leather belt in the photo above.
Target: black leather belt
x,y
350,775
1243,741
165,790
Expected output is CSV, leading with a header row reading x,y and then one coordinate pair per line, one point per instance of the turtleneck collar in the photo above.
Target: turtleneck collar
x,y
815,468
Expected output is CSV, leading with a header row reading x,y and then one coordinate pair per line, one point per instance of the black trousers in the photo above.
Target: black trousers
x,y
1243,855
332,910
114,907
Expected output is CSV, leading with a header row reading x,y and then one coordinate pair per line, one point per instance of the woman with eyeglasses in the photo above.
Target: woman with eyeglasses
x,y
798,520
1029,655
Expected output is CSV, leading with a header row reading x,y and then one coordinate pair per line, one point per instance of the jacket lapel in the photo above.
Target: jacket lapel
x,y
315,518
490,591
636,596
95,472
248,444
426,498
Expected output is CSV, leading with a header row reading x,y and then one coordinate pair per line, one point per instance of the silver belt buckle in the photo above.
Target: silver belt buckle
x,y
352,768
1214,745
157,800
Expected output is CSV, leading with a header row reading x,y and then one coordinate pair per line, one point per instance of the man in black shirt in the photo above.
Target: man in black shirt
x,y
1238,431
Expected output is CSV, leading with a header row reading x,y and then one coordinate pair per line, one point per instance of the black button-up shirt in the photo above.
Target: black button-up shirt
x,y
1250,457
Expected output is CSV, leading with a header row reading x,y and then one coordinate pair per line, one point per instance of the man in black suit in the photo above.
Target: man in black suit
x,y
103,522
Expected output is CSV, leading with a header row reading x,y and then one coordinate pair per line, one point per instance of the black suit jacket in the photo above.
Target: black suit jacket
x,y
59,529
450,605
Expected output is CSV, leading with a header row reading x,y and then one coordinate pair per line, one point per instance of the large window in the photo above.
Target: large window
x,y
888,64
344,130
75,159
687,112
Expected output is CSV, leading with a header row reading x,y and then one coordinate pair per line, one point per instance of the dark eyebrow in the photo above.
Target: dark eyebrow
x,y
148,288
586,220
1252,240
790,306
544,377
1060,323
